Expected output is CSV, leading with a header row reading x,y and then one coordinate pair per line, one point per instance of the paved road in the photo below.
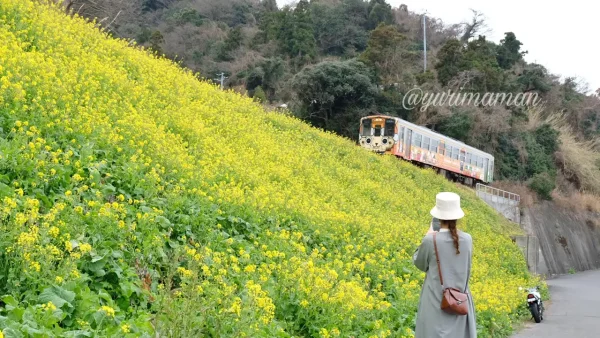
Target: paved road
x,y
574,311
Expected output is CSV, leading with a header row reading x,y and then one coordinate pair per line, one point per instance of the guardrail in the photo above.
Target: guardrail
x,y
498,192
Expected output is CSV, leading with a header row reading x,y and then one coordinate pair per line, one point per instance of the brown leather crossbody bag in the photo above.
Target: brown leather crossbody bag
x,y
453,300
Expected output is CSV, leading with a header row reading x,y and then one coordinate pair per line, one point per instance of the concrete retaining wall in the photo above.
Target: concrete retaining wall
x,y
509,208
569,240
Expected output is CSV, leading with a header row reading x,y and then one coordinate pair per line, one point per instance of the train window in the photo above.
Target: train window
x,y
425,142
474,160
390,126
455,153
468,158
434,146
401,134
366,127
442,148
416,140
377,131
480,162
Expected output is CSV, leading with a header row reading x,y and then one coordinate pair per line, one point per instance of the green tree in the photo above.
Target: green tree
x,y
266,75
450,61
259,95
340,30
385,51
509,51
232,42
270,5
301,43
480,55
534,77
379,12
156,39
333,95
151,5
459,126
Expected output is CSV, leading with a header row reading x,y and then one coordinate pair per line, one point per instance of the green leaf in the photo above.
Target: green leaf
x,y
9,332
163,221
108,189
96,258
10,300
16,314
77,334
5,190
58,296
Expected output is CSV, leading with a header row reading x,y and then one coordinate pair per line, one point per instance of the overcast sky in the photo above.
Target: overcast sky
x,y
561,37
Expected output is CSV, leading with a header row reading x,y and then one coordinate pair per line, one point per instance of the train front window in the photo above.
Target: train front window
x,y
366,127
390,126
377,131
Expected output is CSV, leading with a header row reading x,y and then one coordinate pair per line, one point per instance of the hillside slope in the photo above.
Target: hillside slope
x,y
138,199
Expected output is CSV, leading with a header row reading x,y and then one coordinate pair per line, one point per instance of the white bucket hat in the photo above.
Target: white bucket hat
x,y
447,206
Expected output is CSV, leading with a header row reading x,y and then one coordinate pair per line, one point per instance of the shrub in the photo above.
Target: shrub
x,y
259,95
543,184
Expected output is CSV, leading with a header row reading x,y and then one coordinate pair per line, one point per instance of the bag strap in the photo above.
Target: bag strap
x,y
437,257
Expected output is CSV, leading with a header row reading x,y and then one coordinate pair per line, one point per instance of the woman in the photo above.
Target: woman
x,y
455,249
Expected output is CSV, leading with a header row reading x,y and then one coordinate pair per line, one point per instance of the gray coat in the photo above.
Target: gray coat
x,y
432,322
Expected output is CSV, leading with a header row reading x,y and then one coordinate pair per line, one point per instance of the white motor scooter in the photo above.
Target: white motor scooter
x,y
534,301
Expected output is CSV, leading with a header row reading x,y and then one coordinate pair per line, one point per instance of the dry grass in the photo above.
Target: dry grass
x,y
528,197
577,160
578,201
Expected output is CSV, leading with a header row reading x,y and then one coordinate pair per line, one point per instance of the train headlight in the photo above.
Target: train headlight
x,y
384,141
368,140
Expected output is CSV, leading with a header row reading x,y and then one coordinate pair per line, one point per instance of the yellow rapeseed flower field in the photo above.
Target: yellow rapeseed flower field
x,y
138,200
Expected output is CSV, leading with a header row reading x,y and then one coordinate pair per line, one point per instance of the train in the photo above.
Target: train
x,y
454,159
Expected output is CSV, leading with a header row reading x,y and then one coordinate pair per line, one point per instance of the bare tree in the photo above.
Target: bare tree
x,y
475,27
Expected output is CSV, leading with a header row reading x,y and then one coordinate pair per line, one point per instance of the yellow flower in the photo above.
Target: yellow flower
x,y
58,280
185,272
54,231
109,311
49,306
85,248
125,328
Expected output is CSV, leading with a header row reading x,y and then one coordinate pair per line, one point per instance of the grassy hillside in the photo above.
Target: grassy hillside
x,y
139,200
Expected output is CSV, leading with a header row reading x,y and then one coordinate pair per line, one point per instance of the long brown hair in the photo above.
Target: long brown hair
x,y
452,227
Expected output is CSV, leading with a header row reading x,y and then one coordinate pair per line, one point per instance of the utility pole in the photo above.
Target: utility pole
x,y
424,43
221,79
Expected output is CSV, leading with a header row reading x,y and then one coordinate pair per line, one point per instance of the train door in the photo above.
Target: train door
x,y
407,143
462,159
399,138
486,173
